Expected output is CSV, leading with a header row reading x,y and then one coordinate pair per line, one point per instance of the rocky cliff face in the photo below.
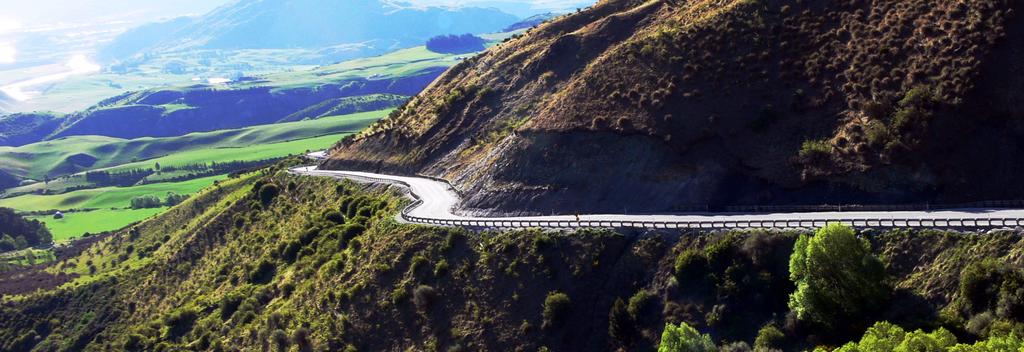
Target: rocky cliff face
x,y
662,105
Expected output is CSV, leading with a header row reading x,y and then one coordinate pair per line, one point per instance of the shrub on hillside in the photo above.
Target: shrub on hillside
x,y
621,327
815,151
641,305
146,201
838,280
992,287
423,297
350,232
556,307
263,272
268,192
179,322
229,305
690,266
768,338
335,217
684,338
175,199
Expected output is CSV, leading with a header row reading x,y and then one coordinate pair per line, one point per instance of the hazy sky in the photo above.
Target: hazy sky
x,y
22,13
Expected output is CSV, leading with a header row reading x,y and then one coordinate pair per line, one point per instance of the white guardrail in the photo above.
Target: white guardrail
x,y
966,222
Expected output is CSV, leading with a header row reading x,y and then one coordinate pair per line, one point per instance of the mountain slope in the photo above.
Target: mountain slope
x,y
271,261
140,39
263,24
661,105
21,129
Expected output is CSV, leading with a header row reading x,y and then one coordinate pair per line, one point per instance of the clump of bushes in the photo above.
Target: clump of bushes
x,y
768,338
229,305
621,326
684,338
268,192
335,217
179,322
884,336
691,265
991,292
813,151
641,305
423,297
263,272
556,307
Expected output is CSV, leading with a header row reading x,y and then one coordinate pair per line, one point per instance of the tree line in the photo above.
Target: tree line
x,y
17,232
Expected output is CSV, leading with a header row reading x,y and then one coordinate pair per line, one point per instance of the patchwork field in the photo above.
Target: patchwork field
x,y
68,155
74,225
111,205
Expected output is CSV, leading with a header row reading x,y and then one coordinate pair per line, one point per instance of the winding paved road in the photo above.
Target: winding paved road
x,y
436,200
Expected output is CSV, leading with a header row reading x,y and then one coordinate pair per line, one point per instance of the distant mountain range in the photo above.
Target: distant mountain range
x,y
262,24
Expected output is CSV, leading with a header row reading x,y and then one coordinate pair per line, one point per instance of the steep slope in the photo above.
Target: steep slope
x,y
530,22
262,24
269,261
661,105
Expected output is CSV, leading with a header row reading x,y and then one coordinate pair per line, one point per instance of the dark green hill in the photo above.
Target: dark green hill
x,y
26,128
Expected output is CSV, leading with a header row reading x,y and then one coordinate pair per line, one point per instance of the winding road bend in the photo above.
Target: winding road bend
x,y
436,200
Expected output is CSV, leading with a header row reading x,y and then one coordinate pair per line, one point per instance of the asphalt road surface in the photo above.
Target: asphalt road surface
x,y
437,201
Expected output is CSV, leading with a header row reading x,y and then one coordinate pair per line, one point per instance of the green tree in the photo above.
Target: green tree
x,y
7,243
837,278
556,307
769,337
684,338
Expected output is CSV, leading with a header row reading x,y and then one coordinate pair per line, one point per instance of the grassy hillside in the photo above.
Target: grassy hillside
x,y
725,103
271,261
109,207
56,158
99,209
107,197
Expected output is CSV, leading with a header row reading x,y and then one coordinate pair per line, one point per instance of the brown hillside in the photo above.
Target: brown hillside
x,y
660,105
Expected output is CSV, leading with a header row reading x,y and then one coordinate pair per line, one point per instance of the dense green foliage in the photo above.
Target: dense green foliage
x,y
17,233
838,280
684,338
886,337
992,296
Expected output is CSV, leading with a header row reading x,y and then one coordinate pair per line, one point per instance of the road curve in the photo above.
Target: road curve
x,y
436,200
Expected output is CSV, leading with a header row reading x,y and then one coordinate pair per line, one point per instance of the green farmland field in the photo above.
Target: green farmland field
x,y
58,157
74,225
